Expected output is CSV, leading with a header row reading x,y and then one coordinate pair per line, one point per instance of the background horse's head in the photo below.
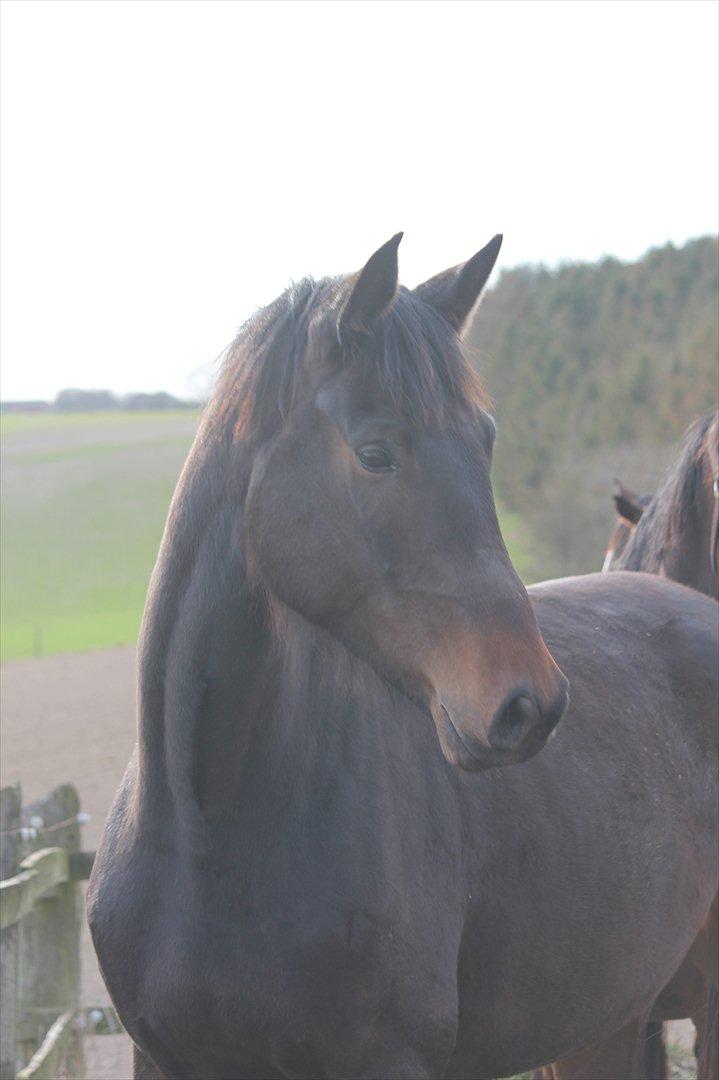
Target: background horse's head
x,y
369,508
629,507
675,533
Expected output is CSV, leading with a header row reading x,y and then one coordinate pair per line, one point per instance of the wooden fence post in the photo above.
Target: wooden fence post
x,y
10,806
50,936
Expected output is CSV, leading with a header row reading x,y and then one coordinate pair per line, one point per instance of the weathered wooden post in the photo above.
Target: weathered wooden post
x,y
41,1023
10,806
50,936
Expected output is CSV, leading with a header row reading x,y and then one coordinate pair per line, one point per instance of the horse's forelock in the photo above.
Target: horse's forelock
x,y
419,361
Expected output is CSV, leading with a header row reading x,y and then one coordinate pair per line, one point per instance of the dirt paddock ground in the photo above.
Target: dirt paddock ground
x,y
72,718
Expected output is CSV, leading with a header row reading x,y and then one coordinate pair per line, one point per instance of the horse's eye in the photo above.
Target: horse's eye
x,y
375,459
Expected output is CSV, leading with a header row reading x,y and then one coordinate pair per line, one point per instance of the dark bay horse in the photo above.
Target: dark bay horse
x,y
676,532
679,539
673,533
294,882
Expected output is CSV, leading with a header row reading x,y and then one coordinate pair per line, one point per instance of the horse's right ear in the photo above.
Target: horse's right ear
x,y
627,504
455,292
373,292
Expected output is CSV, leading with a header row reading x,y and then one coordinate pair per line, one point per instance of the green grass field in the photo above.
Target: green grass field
x,y
84,500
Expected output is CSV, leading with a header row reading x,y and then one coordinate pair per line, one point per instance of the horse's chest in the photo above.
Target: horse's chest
x,y
290,989
284,957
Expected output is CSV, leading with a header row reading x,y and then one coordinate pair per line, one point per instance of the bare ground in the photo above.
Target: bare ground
x,y
72,718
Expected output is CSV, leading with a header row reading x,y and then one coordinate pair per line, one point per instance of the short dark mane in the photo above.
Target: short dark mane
x,y
669,511
420,361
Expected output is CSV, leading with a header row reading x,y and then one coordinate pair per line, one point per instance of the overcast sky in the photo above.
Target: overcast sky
x,y
168,167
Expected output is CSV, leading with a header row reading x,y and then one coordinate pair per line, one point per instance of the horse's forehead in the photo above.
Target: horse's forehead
x,y
357,393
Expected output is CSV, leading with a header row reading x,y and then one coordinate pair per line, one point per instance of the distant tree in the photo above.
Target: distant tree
x,y
160,400
595,371
72,400
25,406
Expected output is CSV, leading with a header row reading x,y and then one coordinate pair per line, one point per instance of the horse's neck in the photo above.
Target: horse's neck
x,y
246,719
276,728
678,550
200,638
690,560
226,704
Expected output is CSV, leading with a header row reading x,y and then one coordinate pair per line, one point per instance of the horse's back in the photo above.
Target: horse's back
x,y
633,596
652,636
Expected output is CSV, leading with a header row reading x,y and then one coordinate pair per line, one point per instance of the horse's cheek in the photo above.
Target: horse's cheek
x,y
295,546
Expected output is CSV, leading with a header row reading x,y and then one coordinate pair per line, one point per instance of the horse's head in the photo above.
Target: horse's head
x,y
629,507
675,533
370,512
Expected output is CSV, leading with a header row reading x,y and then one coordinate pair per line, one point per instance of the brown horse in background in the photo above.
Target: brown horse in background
x,y
629,507
338,852
674,533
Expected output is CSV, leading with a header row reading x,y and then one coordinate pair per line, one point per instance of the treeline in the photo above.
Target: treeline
x,y
595,370
100,400
72,400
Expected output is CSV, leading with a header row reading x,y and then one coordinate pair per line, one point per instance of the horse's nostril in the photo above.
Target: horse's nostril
x,y
557,709
512,725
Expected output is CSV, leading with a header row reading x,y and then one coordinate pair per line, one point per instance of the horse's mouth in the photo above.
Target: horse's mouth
x,y
456,746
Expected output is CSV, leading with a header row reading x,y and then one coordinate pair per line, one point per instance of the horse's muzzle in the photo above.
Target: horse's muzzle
x,y
518,730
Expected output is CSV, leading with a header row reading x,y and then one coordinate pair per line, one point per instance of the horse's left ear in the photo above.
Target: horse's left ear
x,y
455,292
627,505
373,292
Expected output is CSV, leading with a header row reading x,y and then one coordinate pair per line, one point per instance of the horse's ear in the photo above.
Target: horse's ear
x,y
627,504
455,292
373,292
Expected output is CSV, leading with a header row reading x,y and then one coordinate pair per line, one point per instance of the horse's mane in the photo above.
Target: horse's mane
x,y
419,360
669,511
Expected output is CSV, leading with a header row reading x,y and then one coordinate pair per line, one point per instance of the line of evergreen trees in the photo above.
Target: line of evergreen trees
x,y
595,370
